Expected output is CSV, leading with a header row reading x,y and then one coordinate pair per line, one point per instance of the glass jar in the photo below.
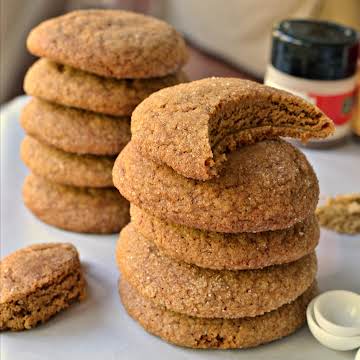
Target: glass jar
x,y
317,60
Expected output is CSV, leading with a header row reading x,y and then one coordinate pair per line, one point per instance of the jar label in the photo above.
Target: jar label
x,y
339,107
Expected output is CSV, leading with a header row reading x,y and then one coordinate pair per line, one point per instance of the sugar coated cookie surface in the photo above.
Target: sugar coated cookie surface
x,y
204,333
236,251
111,43
67,86
265,186
65,168
196,291
88,210
192,127
73,130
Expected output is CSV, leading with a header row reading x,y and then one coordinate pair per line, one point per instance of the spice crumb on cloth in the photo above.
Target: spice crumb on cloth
x,y
341,214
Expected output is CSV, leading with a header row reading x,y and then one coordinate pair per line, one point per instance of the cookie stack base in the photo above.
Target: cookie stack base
x,y
215,333
201,292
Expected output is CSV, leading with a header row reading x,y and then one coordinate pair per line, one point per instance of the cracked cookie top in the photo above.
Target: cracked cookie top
x,y
265,186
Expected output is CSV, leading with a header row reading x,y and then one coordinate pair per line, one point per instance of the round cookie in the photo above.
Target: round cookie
x,y
265,186
72,87
218,251
65,168
204,333
87,210
200,292
111,43
192,127
73,130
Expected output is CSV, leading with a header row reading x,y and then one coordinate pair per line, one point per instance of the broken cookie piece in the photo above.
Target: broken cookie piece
x,y
191,127
37,282
341,214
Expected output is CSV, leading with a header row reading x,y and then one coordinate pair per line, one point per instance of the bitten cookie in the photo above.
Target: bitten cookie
x,y
65,168
87,210
73,130
200,292
204,333
237,251
265,186
191,127
111,43
37,282
87,91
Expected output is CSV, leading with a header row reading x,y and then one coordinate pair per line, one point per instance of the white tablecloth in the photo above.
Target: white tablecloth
x,y
99,328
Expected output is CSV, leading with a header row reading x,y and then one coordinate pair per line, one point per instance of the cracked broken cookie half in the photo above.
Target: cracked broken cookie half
x,y
37,282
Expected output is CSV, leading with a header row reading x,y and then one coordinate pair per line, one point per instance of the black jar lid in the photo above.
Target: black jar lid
x,y
314,49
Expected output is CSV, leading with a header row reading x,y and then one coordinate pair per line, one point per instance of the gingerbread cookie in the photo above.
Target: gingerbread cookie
x,y
37,282
237,251
72,87
192,127
87,210
200,292
73,130
110,43
265,186
65,168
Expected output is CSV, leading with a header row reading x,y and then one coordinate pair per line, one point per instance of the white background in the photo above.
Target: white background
x,y
99,328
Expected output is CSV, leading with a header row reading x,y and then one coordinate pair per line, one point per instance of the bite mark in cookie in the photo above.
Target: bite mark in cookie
x,y
192,127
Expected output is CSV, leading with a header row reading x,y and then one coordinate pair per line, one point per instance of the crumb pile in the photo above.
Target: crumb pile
x,y
341,214
219,252
96,66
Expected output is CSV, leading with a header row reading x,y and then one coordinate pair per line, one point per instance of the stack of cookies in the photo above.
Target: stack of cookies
x,y
96,66
220,249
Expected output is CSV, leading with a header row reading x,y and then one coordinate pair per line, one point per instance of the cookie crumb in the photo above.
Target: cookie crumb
x,y
341,214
